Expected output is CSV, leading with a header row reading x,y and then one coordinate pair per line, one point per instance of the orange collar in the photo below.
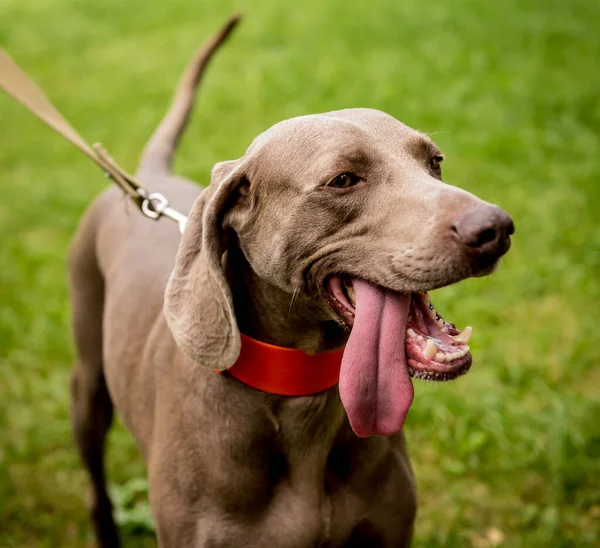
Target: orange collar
x,y
285,371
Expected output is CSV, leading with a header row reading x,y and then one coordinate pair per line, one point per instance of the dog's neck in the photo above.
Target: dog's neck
x,y
271,315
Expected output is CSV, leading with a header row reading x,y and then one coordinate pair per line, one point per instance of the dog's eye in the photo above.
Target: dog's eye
x,y
344,180
434,163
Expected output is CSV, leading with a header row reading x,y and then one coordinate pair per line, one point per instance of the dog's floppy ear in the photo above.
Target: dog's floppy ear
x,y
198,303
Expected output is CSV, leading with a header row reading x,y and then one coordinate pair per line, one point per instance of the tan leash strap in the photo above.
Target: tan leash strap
x,y
16,83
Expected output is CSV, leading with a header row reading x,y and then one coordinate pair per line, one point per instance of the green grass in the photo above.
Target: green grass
x,y
509,455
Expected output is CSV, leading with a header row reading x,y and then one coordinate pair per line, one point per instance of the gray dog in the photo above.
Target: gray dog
x,y
327,232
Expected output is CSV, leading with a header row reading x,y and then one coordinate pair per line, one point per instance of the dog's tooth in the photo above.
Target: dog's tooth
x,y
430,349
440,322
458,354
426,300
410,332
465,336
440,357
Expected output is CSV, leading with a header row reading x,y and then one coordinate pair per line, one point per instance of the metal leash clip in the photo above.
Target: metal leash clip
x,y
155,205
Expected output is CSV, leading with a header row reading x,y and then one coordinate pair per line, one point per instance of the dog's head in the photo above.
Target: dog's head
x,y
349,209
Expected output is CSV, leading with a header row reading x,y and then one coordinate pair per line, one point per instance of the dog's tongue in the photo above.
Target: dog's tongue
x,y
375,386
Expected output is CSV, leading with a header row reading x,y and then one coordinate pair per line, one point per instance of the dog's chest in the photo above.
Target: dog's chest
x,y
326,495
282,472
314,480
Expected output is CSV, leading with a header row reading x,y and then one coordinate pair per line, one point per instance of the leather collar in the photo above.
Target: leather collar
x,y
285,371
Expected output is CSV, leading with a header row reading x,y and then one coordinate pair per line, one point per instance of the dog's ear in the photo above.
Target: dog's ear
x,y
198,303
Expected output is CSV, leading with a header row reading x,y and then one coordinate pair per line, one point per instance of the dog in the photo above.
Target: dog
x,y
325,235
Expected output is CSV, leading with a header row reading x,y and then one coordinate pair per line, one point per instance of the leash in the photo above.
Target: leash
x,y
22,88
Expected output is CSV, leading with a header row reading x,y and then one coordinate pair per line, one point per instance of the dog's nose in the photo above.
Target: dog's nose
x,y
485,231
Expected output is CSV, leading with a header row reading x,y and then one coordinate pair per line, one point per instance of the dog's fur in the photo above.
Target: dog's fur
x,y
229,465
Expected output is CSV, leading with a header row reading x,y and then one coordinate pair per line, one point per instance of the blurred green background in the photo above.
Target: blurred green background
x,y
507,456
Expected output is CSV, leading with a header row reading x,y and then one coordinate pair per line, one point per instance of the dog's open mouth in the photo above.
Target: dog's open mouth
x,y
435,349
394,336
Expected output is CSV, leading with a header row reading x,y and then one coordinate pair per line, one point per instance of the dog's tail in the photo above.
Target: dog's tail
x,y
157,155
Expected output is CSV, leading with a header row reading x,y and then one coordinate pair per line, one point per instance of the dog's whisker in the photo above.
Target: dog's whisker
x,y
294,296
439,132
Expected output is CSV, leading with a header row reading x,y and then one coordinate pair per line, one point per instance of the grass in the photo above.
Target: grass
x,y
508,456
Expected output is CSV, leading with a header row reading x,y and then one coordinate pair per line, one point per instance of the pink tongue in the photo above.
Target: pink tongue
x,y
375,386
